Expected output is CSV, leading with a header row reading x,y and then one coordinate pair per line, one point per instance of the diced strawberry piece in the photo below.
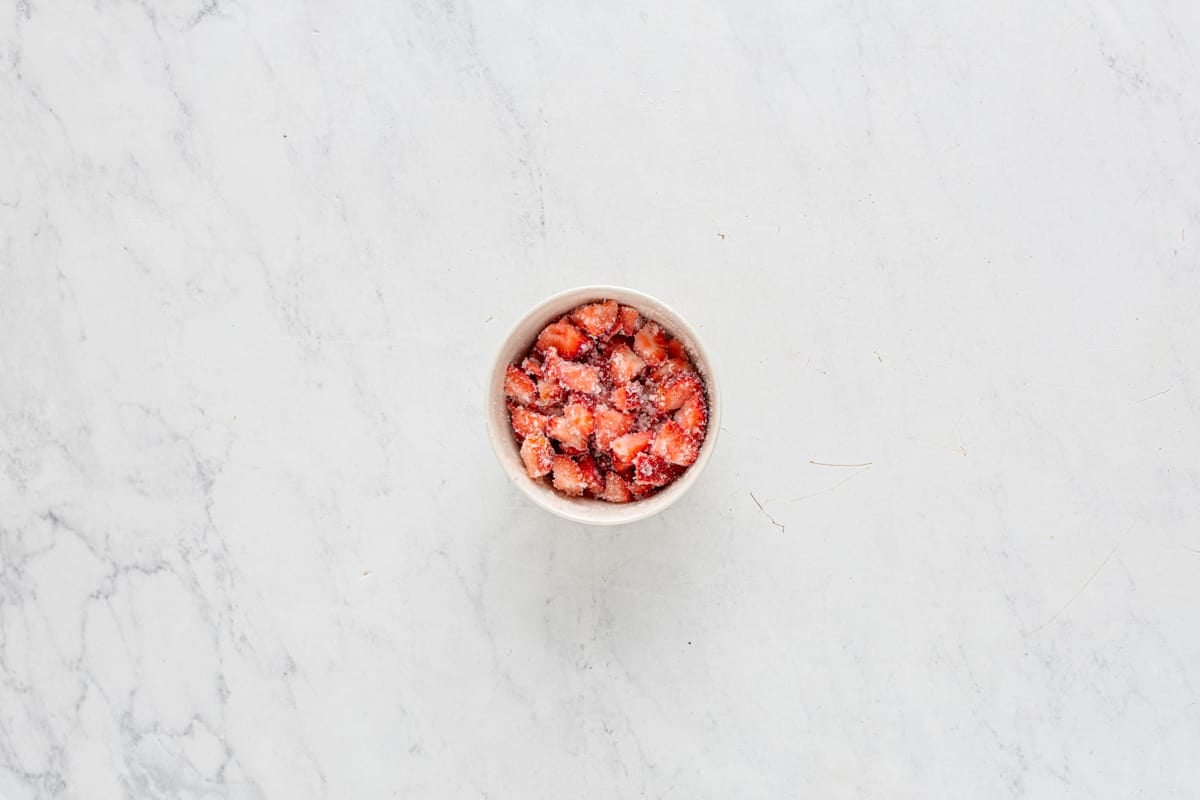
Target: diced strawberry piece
x,y
538,455
671,443
676,349
579,377
628,397
669,369
611,423
631,320
693,416
651,344
575,377
549,392
568,477
598,318
616,490
675,392
569,341
590,400
573,428
624,365
518,385
637,488
652,470
624,448
532,366
526,421
591,475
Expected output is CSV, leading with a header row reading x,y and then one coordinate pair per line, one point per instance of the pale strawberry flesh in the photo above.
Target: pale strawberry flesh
x,y
518,386
567,340
537,455
596,319
651,344
568,477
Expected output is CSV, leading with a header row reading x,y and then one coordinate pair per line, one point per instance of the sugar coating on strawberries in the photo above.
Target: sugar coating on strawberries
x,y
606,404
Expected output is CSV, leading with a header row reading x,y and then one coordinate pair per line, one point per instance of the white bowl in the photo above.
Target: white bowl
x,y
519,341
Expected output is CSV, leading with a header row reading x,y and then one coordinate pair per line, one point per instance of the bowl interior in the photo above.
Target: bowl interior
x,y
518,343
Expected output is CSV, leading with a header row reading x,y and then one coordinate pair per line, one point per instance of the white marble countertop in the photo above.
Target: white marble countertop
x,y
255,258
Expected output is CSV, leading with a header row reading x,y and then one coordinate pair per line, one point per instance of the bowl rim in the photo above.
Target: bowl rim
x,y
582,510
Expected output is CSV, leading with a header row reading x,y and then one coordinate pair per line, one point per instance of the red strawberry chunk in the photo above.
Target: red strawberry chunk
x,y
669,369
675,392
518,385
637,488
624,448
580,377
573,428
611,423
630,319
569,341
672,443
591,475
549,393
538,455
693,416
598,318
628,397
532,366
624,365
568,477
676,349
652,470
615,489
651,344
575,377
526,421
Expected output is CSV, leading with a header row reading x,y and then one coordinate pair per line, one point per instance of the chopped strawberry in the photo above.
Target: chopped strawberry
x,y
573,427
573,376
569,341
631,320
675,392
624,365
549,392
580,377
538,455
598,318
624,448
637,488
526,421
652,470
676,349
628,397
672,443
532,366
669,369
611,423
693,416
615,489
651,344
568,477
518,385
591,475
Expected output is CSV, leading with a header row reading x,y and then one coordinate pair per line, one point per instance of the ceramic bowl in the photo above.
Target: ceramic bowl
x,y
519,341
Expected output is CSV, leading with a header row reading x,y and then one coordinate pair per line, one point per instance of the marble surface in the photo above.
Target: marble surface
x,y
255,258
